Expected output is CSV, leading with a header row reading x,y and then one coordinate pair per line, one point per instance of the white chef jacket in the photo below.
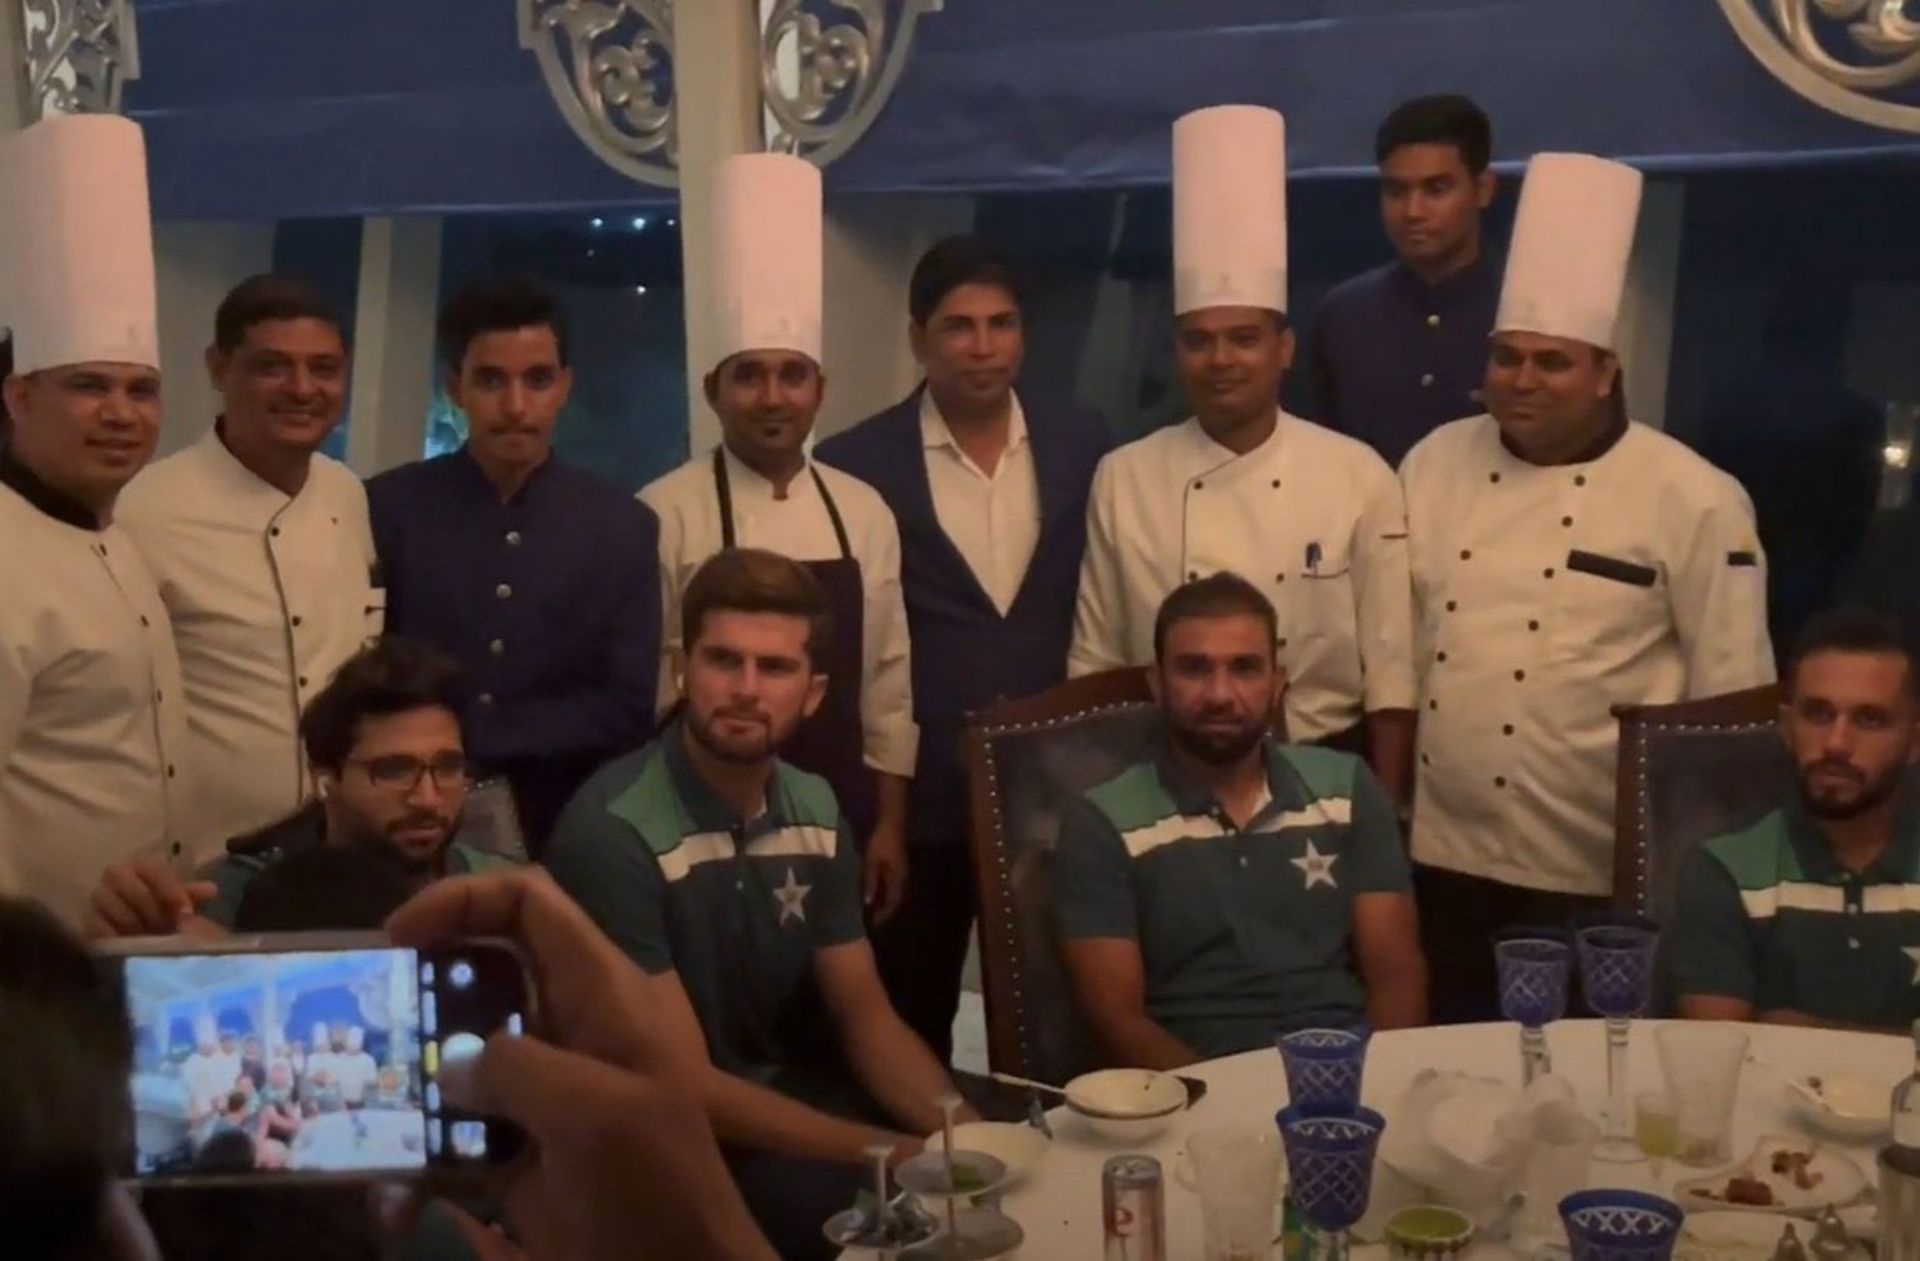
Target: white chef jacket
x,y
1311,517
1545,597
269,596
992,520
92,720
799,528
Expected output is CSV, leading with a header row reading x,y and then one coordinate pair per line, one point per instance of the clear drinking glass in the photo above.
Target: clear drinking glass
x,y
1561,1160
1330,1164
1702,1064
1535,967
1235,1173
1616,975
1656,1129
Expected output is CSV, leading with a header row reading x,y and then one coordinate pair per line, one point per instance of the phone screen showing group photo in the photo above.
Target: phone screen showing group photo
x,y
313,1062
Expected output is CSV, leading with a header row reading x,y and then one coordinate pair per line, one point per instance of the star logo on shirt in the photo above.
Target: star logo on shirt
x,y
792,897
1317,868
1913,953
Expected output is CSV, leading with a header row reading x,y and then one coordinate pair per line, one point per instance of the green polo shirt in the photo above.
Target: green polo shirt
x,y
1768,916
737,910
1243,933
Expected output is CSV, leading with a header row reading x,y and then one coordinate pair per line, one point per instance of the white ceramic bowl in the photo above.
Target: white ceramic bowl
x,y
1127,1105
1852,1109
1018,1147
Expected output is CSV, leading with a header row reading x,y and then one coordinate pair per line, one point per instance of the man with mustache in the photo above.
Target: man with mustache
x,y
1565,561
93,756
990,490
1311,517
384,742
539,577
759,489
1812,915
1233,885
263,552
732,877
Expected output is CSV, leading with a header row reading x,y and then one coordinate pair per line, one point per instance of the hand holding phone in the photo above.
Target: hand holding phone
x,y
625,1163
309,1056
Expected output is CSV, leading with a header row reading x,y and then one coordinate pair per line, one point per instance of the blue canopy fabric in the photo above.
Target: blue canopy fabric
x,y
299,108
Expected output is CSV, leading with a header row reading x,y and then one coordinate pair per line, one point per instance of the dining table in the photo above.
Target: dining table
x,y
1058,1201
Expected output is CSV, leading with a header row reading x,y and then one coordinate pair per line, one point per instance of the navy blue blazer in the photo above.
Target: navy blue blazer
x,y
966,654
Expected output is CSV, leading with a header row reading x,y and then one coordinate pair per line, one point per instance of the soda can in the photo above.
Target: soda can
x,y
1134,1208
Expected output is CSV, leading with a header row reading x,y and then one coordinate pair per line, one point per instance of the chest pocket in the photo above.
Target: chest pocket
x,y
1606,601
1317,600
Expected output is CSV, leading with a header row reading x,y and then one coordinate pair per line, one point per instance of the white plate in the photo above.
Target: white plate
x,y
1723,1236
1841,1181
1018,1147
1852,1108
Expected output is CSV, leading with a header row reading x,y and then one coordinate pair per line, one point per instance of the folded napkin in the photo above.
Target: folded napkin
x,y
1463,1141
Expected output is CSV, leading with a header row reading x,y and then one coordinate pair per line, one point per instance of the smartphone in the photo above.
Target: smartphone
x,y
310,1055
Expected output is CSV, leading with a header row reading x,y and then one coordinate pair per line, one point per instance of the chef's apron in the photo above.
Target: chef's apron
x,y
832,743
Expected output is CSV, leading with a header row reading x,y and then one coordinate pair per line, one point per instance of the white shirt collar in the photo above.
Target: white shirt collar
x,y
1207,448
936,433
739,472
227,465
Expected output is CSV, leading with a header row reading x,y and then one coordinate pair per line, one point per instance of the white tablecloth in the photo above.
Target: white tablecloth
x,y
1059,1203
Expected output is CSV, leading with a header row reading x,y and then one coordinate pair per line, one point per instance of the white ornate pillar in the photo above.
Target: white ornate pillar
x,y
664,90
1857,58
1646,311
394,357
13,67
718,112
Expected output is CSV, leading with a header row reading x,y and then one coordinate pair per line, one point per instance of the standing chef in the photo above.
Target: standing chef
x,y
263,552
760,489
1313,518
92,723
1565,561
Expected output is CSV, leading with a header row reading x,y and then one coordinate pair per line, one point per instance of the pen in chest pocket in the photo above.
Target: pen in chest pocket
x,y
1313,558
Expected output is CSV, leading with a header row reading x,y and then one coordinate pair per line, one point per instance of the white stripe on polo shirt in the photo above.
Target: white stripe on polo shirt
x,y
1202,827
1831,899
787,842
796,842
694,849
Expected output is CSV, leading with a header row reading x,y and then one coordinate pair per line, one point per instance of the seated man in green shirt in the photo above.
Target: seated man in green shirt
x,y
383,739
1812,915
1233,887
731,877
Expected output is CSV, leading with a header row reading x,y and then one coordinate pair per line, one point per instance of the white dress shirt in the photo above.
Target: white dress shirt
x,y
1546,596
992,519
797,526
92,713
269,595
1311,517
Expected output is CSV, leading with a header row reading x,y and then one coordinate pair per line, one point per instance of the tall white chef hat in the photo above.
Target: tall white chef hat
x,y
1572,239
1230,209
768,254
76,244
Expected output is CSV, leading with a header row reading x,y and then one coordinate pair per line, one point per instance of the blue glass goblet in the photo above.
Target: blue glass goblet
x,y
1324,1067
1330,1170
1616,975
1535,968
1620,1225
